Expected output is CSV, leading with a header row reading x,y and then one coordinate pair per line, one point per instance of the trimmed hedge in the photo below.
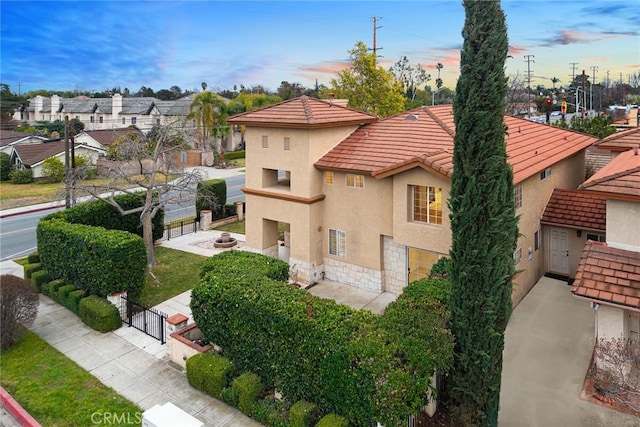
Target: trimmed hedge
x,y
247,387
29,269
53,287
211,195
232,155
246,263
33,257
332,420
73,300
208,372
39,279
303,414
98,213
99,314
62,295
99,261
270,412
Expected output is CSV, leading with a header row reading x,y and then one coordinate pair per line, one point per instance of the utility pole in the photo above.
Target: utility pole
x,y
375,45
528,60
584,93
67,193
574,65
594,69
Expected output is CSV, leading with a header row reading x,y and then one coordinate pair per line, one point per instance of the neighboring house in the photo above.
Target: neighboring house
x,y
620,141
609,273
8,139
102,139
364,201
32,156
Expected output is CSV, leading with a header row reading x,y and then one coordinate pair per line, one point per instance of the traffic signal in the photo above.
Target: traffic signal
x,y
548,101
563,107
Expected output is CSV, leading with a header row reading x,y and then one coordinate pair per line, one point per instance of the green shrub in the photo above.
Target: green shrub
x,y
62,296
232,263
228,396
303,414
5,166
211,195
270,412
39,279
21,176
440,269
332,420
34,257
29,269
53,169
53,287
99,314
233,155
247,387
208,372
73,300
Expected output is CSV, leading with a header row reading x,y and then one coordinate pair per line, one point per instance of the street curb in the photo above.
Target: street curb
x,y
7,215
16,410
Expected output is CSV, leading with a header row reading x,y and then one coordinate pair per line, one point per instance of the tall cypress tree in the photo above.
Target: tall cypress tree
x,y
483,222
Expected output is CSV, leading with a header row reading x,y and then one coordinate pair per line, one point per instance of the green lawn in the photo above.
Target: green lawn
x,y
175,271
55,390
234,227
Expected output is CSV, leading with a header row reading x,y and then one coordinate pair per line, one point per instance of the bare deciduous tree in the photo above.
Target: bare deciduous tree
x,y
148,166
617,370
18,306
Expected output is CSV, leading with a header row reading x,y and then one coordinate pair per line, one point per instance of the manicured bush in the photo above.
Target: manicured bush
x,y
303,414
30,268
233,263
211,195
233,155
270,412
247,387
39,279
332,420
99,314
53,287
62,295
99,261
228,396
208,372
34,257
440,269
21,176
18,308
5,166
74,298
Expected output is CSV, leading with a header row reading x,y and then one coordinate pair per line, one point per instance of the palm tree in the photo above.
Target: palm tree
x,y
202,109
554,80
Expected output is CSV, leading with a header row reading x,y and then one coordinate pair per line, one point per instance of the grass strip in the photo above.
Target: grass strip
x,y
58,392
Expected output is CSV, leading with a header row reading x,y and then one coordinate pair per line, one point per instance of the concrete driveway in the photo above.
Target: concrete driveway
x,y
548,346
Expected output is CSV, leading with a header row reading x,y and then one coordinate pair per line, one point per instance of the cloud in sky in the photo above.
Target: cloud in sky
x,y
96,45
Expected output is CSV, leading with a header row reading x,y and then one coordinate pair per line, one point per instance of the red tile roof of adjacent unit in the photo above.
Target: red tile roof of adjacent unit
x,y
581,210
619,179
609,275
621,141
302,113
423,137
108,136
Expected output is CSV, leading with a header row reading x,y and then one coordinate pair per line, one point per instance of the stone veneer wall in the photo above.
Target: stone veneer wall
x,y
395,265
354,275
304,273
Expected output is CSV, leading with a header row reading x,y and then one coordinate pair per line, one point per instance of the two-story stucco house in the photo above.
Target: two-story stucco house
x,y
364,201
609,272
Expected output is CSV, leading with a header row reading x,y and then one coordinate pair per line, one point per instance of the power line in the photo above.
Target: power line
x,y
375,28
574,65
528,59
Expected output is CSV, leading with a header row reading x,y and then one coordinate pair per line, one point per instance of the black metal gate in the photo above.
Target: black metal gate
x,y
148,320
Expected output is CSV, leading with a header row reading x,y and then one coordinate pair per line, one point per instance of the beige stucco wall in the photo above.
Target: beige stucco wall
x,y
623,224
610,322
432,237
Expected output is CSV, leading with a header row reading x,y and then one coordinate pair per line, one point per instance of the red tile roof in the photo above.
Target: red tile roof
x,y
302,113
424,137
608,274
581,210
621,141
619,179
108,136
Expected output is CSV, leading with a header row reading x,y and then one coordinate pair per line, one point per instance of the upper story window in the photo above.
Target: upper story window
x,y
101,119
134,120
265,141
356,181
596,237
337,243
517,195
545,174
92,119
158,122
328,177
427,204
517,256
287,143
124,121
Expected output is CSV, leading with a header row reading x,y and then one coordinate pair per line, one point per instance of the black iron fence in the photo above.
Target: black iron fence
x,y
148,320
181,227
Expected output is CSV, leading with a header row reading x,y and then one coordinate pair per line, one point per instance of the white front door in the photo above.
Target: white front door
x,y
559,256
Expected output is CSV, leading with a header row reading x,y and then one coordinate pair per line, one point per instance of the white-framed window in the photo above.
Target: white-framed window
x,y
124,121
517,256
101,119
328,177
517,195
265,141
287,143
537,237
545,174
158,122
356,181
337,243
427,204
134,120
92,119
596,237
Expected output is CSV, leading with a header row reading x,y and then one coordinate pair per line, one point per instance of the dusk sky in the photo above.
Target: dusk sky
x,y
98,45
